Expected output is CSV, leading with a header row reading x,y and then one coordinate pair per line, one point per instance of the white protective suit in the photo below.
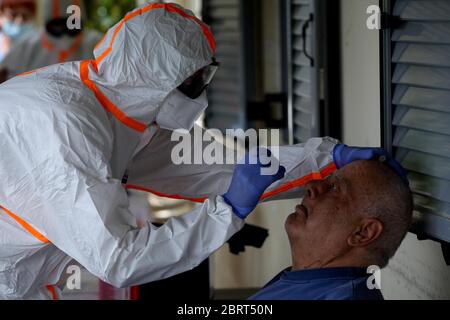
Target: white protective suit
x,y
71,132
42,49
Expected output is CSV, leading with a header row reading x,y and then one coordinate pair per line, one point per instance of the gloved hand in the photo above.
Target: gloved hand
x,y
344,155
248,183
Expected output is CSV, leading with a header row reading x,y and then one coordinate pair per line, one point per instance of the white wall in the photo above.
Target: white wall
x,y
361,90
254,268
418,270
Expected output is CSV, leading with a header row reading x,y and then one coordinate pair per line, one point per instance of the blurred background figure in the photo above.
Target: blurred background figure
x,y
55,42
17,18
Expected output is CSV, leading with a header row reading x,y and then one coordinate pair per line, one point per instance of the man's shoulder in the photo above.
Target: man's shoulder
x,y
362,291
346,289
303,286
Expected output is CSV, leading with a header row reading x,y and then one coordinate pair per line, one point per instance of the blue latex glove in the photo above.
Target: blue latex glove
x,y
344,155
248,184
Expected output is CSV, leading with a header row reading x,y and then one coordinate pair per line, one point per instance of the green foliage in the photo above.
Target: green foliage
x,y
103,14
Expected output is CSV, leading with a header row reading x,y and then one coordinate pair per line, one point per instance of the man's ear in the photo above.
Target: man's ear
x,y
368,231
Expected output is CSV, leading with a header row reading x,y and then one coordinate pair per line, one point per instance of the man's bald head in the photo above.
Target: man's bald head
x,y
381,194
357,217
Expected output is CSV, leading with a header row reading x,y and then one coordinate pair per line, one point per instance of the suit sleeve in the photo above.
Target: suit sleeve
x,y
93,225
153,169
68,195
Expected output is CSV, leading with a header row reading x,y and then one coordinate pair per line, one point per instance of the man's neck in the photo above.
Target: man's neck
x,y
338,262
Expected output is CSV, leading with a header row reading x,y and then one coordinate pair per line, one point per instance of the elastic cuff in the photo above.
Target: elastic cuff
x,y
236,210
337,152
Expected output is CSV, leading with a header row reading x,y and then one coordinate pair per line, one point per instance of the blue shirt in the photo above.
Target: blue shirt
x,y
320,284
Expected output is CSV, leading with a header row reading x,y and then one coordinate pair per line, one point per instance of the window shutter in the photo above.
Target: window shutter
x,y
303,100
226,98
420,107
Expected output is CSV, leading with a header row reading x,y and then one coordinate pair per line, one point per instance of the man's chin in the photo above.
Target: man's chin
x,y
294,223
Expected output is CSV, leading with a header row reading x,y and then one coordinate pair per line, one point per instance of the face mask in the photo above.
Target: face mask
x,y
16,30
180,112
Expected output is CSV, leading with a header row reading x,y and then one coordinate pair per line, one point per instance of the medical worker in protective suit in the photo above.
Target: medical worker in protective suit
x,y
16,22
55,43
76,136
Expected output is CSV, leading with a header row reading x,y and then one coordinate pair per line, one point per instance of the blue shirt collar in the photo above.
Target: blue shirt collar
x,y
323,274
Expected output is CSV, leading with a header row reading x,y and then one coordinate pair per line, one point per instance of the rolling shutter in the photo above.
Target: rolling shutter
x,y
420,107
226,100
303,89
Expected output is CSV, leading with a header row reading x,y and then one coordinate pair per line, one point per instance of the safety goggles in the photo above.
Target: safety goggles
x,y
194,86
58,28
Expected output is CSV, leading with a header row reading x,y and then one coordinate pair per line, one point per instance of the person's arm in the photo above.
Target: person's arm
x,y
84,212
67,193
153,169
105,240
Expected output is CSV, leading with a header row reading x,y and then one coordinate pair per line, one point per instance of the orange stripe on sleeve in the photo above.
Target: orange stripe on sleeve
x,y
162,195
301,182
284,188
26,226
105,102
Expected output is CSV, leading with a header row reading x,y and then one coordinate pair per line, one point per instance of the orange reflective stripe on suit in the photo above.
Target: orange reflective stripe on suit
x,y
26,226
105,102
35,234
328,170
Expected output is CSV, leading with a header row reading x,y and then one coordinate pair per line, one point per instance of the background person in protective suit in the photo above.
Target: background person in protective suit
x,y
16,22
55,43
72,132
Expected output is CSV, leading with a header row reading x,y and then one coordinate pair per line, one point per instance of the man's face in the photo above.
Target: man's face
x,y
319,229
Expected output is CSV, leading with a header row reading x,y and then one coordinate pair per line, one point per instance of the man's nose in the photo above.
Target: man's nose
x,y
315,188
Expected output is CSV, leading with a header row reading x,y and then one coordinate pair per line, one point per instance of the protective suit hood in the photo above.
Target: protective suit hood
x,y
147,55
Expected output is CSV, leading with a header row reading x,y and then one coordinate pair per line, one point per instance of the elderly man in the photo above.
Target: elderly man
x,y
355,219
